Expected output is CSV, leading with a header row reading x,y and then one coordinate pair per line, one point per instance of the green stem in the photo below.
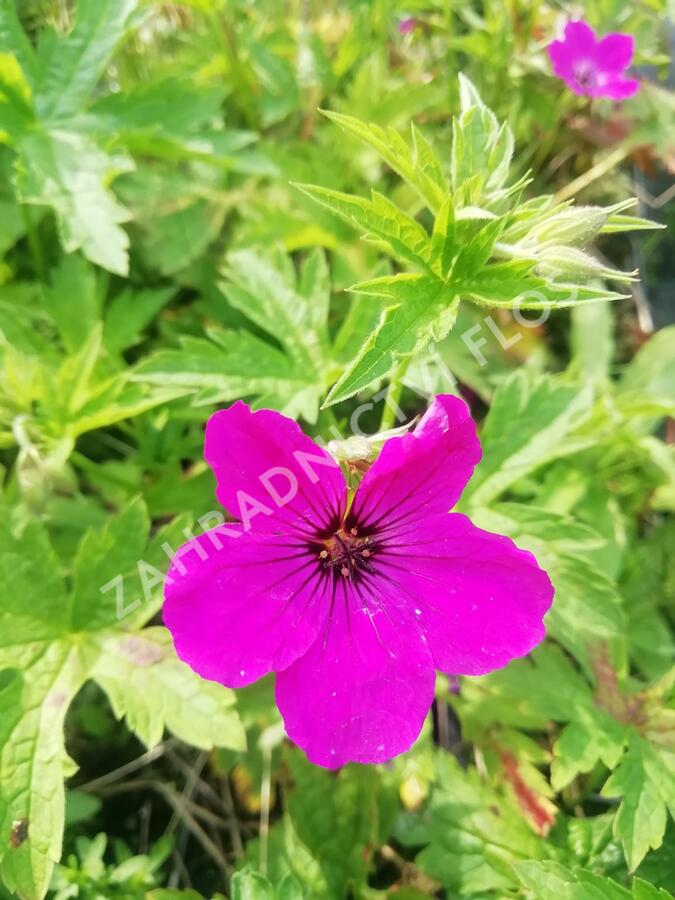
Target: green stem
x,y
227,37
33,241
265,794
393,396
599,170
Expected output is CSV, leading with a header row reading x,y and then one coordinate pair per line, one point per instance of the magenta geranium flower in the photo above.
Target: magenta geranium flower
x,y
591,67
407,25
353,599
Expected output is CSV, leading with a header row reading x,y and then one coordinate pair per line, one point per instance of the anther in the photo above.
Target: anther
x,y
344,571
323,554
353,531
365,553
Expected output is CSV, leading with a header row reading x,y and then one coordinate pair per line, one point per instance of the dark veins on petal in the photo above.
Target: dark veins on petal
x,y
350,557
349,551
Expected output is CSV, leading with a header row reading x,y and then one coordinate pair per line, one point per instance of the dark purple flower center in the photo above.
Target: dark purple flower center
x,y
345,552
585,75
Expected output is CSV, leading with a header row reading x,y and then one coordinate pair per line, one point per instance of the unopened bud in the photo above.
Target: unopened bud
x,y
353,449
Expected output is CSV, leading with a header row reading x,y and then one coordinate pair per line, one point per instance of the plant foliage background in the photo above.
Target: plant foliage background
x,y
180,226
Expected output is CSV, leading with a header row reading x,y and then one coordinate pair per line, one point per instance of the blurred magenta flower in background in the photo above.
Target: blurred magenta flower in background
x,y
591,67
407,25
353,604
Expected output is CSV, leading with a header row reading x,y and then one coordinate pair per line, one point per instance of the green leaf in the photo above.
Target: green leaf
x,y
423,177
338,820
12,225
547,685
288,859
181,235
115,401
402,331
153,690
266,291
530,423
588,610
562,534
34,606
249,885
58,396
444,239
618,223
139,669
314,285
58,163
171,894
73,301
592,340
33,761
129,313
69,173
651,371
513,284
593,737
477,239
397,233
17,114
521,257
642,890
425,158
472,833
166,111
549,880
103,555
230,366
602,723
291,310
473,137
72,66
13,39
645,780
647,586
75,375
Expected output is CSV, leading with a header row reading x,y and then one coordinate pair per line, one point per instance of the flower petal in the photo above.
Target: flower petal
x,y
240,605
268,471
579,89
618,88
614,52
562,58
478,597
362,692
420,473
580,38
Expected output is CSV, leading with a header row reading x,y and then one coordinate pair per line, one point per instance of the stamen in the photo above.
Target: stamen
x,y
346,552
